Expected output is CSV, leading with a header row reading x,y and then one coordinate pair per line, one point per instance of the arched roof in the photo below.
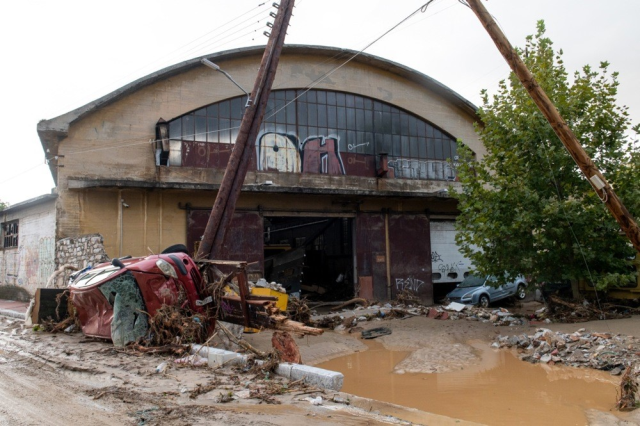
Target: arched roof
x,y
52,131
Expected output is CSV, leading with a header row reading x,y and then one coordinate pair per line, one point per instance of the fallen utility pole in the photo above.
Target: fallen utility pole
x,y
236,171
560,127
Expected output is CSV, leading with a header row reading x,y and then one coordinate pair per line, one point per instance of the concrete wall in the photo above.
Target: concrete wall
x,y
30,264
112,144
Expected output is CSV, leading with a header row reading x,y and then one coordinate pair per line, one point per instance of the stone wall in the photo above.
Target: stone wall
x,y
81,251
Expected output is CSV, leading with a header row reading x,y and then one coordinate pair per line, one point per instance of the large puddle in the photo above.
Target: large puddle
x,y
499,390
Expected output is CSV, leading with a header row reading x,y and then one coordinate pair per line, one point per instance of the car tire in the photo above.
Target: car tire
x,y
521,293
483,301
176,248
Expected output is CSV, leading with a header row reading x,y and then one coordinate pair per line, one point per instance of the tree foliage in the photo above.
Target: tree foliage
x,y
526,207
3,205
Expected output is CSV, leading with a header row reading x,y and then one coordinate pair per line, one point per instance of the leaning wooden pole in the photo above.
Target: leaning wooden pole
x,y
238,164
560,127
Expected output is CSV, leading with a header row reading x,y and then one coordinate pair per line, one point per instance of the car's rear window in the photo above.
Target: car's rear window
x,y
92,277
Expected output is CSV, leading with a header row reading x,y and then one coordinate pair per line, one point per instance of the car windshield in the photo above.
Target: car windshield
x,y
472,281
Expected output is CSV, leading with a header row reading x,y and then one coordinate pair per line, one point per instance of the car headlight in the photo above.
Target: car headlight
x,y
467,295
166,268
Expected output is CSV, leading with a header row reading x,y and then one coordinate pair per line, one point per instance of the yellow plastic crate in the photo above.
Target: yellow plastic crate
x,y
283,298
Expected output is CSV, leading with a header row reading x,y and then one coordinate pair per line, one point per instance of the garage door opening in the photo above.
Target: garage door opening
x,y
310,256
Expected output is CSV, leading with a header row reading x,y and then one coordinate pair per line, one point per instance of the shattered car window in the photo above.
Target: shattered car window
x,y
129,318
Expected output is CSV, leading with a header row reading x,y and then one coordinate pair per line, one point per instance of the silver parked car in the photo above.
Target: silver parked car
x,y
475,290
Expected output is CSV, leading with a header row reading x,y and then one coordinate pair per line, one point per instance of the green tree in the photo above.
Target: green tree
x,y
3,205
526,207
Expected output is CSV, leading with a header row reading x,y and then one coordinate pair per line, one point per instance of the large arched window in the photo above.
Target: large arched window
x,y
318,132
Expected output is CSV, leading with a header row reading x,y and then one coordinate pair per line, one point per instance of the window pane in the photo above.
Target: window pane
x,y
322,114
429,131
341,99
413,144
359,102
322,97
454,150
311,96
212,135
278,95
302,113
280,111
332,120
439,155
331,98
377,121
290,95
188,127
431,148
201,129
225,132
360,120
312,114
235,124
405,151
421,128
290,113
368,103
201,111
446,149
386,122
368,121
212,110
404,124
422,148
351,119
395,124
342,118
351,100
175,129
224,109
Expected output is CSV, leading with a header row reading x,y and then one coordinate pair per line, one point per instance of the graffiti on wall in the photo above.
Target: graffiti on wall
x,y
410,284
411,168
283,152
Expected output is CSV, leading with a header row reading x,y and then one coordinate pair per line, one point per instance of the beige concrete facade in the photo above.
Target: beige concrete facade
x,y
106,155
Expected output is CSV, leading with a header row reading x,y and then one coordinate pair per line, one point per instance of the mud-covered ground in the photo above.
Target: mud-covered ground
x,y
68,379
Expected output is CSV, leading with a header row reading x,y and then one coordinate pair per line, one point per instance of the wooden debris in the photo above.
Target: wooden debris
x,y
286,347
628,392
298,310
358,301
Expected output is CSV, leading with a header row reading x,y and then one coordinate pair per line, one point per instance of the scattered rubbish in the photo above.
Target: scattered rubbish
x,y
194,360
600,351
455,306
161,368
570,312
628,391
315,401
375,332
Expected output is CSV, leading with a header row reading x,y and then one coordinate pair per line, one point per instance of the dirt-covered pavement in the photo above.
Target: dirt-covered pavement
x,y
67,379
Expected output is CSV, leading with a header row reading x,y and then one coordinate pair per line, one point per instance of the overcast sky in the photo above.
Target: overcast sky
x,y
59,55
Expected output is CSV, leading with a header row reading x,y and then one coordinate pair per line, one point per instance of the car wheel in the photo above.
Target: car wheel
x,y
176,248
522,292
483,302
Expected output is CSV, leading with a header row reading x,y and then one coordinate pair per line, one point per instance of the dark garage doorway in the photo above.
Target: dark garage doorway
x,y
311,256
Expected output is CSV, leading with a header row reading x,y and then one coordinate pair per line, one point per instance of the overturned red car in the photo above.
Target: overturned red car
x,y
115,300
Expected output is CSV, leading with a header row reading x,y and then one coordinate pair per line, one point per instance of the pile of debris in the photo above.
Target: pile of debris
x,y
566,311
349,318
457,311
601,351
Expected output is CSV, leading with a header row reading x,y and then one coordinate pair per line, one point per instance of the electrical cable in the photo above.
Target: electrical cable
x,y
173,53
22,173
317,81
566,217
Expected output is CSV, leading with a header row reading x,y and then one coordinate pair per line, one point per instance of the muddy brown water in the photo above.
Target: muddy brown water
x,y
499,390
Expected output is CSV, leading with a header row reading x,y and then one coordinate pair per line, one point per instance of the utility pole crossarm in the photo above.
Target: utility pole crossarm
x,y
560,127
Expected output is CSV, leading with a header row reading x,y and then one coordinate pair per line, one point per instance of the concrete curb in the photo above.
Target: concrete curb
x,y
13,314
320,377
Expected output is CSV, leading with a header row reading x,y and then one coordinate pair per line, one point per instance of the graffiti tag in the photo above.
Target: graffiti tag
x,y
435,257
411,284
